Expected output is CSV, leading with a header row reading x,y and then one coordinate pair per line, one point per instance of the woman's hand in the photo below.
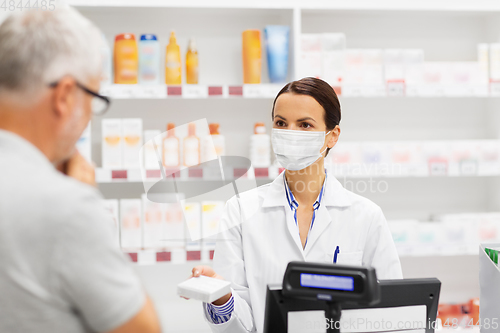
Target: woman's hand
x,y
209,271
78,168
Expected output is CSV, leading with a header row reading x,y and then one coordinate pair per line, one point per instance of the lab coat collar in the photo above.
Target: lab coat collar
x,y
335,194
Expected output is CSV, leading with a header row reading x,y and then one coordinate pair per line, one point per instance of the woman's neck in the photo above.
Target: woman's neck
x,y
306,184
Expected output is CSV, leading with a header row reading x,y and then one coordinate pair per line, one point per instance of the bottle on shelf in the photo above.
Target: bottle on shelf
x,y
173,72
151,144
171,148
126,59
107,62
149,60
214,144
252,56
260,147
191,147
192,63
132,142
277,37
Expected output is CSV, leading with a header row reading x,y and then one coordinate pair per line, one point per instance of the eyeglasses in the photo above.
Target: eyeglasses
x,y
99,104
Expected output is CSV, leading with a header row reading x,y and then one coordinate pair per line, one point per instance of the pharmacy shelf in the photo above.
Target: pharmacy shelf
x,y
191,175
191,91
391,5
351,172
123,91
162,256
258,4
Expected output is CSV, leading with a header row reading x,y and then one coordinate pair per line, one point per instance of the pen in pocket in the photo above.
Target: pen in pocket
x,y
337,251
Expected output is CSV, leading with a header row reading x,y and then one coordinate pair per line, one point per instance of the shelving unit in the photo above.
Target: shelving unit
x,y
446,30
266,91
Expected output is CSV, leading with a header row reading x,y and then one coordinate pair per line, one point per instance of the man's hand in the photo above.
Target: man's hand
x,y
77,167
208,271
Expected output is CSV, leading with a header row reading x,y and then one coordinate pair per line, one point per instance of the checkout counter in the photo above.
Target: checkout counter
x,y
349,299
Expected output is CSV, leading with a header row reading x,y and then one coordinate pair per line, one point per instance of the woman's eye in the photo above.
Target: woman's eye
x,y
306,125
280,123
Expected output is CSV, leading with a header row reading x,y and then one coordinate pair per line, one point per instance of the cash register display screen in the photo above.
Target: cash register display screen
x,y
327,281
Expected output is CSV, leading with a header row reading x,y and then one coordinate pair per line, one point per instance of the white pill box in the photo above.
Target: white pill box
x,y
203,288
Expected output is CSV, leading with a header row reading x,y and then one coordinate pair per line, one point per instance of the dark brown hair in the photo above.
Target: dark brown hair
x,y
322,92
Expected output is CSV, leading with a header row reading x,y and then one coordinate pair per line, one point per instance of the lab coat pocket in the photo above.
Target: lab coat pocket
x,y
350,258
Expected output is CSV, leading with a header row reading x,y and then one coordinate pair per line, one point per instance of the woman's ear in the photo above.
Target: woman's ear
x,y
334,138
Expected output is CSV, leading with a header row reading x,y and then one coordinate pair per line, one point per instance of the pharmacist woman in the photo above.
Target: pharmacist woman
x,y
303,215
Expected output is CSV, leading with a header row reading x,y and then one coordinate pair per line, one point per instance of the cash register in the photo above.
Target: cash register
x,y
355,292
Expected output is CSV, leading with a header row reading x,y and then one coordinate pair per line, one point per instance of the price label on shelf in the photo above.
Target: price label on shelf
x,y
351,90
174,91
468,168
151,91
495,88
438,168
235,90
146,257
396,88
194,91
255,90
373,90
480,90
193,255
106,90
488,169
102,175
216,91
163,256
458,90
134,175
119,174
273,90
121,91
412,90
133,256
431,90
261,172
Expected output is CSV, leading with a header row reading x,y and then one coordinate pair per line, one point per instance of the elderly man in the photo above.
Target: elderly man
x,y
59,269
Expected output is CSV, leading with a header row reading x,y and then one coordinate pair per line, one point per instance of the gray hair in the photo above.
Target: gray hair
x,y
40,47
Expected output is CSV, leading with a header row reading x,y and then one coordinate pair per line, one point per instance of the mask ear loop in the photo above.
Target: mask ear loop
x,y
326,147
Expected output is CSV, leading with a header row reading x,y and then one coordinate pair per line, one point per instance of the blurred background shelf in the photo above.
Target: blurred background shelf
x,y
266,91
390,5
447,31
137,176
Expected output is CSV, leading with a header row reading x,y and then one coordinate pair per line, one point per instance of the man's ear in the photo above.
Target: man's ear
x,y
64,97
334,138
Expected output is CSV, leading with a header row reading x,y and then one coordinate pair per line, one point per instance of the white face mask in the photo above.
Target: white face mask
x,y
296,150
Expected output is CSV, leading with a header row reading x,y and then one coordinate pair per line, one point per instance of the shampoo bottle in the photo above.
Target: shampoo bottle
x,y
214,144
277,52
260,147
191,147
107,62
173,62
171,148
149,60
252,56
192,63
126,59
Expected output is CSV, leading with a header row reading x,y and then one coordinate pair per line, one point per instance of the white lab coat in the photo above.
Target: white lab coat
x,y
256,250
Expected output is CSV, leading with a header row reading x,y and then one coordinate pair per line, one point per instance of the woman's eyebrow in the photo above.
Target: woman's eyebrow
x,y
306,118
277,115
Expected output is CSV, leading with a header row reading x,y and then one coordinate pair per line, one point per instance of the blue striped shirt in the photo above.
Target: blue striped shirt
x,y
294,204
222,313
